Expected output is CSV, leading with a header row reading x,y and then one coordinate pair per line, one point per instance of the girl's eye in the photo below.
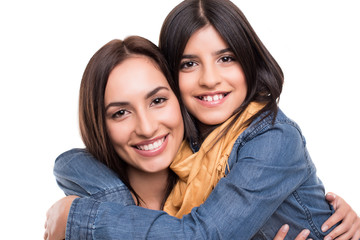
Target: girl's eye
x,y
158,101
227,59
187,64
119,114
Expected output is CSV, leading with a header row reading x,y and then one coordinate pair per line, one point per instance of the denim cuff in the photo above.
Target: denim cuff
x,y
81,218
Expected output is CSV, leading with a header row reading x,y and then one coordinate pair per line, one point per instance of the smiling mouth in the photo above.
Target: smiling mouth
x,y
213,98
151,146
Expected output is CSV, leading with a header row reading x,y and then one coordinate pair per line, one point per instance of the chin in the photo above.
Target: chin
x,y
214,121
158,168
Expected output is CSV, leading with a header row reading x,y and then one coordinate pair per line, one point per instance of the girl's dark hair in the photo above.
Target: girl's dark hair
x,y
264,76
91,100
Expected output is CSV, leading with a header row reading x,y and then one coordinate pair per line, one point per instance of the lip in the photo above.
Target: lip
x,y
154,152
213,103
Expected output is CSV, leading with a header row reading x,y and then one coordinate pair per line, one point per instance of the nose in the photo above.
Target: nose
x,y
146,125
209,77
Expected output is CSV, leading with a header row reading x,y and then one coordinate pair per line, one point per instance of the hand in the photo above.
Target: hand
x,y
349,228
281,234
56,218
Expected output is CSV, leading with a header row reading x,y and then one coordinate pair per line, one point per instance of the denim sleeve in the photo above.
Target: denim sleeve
x,y
78,173
269,167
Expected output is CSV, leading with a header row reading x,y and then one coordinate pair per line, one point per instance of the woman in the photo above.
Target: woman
x,y
261,82
130,119
125,91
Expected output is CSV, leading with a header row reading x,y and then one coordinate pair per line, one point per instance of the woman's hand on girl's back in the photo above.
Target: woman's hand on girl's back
x,y
349,228
281,234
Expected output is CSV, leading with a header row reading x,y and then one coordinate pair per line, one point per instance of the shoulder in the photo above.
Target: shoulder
x,y
71,156
280,126
276,142
79,160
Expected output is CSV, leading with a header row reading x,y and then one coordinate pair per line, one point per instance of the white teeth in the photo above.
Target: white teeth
x,y
151,146
213,98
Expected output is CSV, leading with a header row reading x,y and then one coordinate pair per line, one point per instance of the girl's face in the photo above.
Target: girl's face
x,y
143,115
211,80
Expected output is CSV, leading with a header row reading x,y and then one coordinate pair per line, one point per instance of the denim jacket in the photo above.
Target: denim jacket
x,y
272,181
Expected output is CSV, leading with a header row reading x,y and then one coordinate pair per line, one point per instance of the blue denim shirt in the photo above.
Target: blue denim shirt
x,y
272,181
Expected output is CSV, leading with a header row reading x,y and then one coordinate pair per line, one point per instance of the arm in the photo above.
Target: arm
x,y
56,222
247,185
59,218
94,207
56,218
78,173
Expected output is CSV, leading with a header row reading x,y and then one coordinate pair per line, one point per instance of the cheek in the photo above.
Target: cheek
x,y
185,93
179,122
186,83
118,134
173,117
238,80
242,86
243,89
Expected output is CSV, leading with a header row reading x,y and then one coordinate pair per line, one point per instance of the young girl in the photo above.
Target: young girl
x,y
230,84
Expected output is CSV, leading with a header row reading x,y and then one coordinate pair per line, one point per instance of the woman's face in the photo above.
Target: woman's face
x,y
143,115
211,80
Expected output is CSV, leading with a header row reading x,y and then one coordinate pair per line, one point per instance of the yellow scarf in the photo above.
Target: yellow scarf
x,y
200,172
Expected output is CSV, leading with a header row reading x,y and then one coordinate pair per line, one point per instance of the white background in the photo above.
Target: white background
x,y
45,46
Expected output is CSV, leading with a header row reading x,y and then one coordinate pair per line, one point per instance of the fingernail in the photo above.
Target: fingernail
x,y
324,228
328,238
305,232
285,228
331,194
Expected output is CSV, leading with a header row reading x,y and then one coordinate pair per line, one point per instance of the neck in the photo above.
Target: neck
x,y
205,130
151,187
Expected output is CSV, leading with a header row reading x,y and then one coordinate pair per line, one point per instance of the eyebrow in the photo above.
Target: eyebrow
x,y
148,95
215,53
156,90
222,51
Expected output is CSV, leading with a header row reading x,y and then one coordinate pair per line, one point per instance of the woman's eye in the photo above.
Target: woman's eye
x,y
119,113
158,101
187,64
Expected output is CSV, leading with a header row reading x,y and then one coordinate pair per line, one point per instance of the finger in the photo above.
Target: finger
x,y
330,197
342,211
282,232
346,226
332,220
348,235
354,232
303,235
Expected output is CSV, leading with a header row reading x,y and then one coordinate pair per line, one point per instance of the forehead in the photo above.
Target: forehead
x,y
134,76
200,39
137,69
